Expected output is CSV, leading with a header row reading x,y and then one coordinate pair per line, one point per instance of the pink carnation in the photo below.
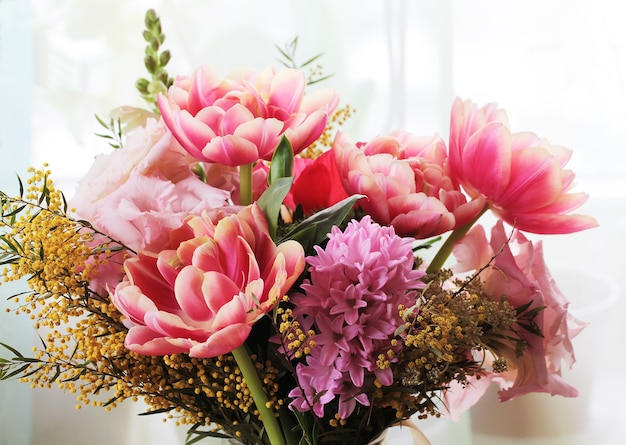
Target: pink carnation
x,y
139,193
520,273
351,300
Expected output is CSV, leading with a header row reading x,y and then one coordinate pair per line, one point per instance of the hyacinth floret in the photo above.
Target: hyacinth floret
x,y
351,300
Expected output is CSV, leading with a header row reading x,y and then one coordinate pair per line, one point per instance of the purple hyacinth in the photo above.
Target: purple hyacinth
x,y
351,302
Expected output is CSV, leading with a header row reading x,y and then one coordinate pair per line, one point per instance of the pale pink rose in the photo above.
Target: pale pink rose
x,y
137,194
142,211
203,293
240,119
521,176
406,182
148,151
520,274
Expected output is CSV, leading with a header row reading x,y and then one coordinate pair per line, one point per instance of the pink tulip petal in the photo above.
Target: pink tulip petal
x,y
466,212
143,273
288,258
307,132
486,161
188,289
206,256
144,340
230,150
187,249
263,133
419,214
213,118
326,100
221,342
383,145
168,266
218,289
550,223
172,325
178,96
231,313
287,90
535,180
132,302
234,117
204,89
565,203
236,252
521,176
182,125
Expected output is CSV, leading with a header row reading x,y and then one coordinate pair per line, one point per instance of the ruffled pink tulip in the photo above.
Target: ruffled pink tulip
x,y
405,179
202,295
523,277
240,119
521,176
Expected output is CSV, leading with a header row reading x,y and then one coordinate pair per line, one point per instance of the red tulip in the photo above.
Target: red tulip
x,y
318,185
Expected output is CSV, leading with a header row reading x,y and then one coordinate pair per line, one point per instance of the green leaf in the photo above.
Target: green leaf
x,y
428,243
310,61
197,436
13,350
271,200
156,411
15,211
313,230
15,372
21,185
282,161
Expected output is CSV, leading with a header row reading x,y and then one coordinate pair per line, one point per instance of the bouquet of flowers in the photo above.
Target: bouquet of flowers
x,y
248,269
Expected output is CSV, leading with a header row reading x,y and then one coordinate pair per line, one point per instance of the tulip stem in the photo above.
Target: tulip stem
x,y
249,373
446,249
245,184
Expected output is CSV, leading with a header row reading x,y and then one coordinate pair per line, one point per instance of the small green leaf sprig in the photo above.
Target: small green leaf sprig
x,y
288,53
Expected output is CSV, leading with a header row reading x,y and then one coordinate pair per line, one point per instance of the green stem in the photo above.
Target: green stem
x,y
446,249
248,370
245,184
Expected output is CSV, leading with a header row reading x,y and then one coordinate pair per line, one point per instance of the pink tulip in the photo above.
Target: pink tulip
x,y
520,274
521,176
240,119
203,294
406,181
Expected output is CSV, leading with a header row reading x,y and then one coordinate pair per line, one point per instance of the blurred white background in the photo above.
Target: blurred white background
x,y
558,68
